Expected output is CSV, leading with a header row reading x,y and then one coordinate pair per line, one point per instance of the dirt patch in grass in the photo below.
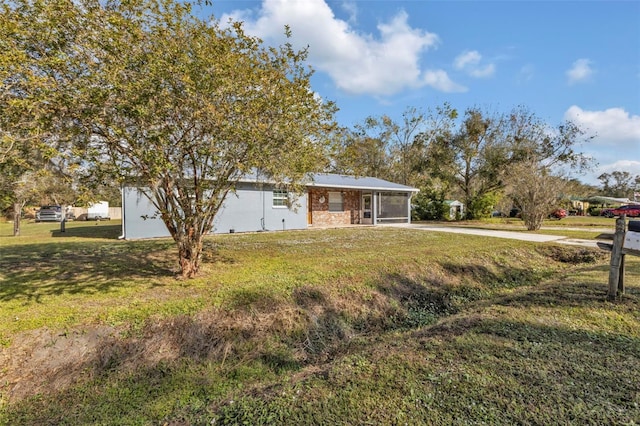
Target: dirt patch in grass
x,y
45,361
572,255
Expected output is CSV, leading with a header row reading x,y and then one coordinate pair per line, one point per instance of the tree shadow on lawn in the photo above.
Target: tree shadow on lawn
x,y
257,328
427,298
90,230
557,364
554,294
585,291
32,271
494,277
421,302
536,333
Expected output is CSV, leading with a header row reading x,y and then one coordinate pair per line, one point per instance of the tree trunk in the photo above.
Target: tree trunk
x,y
190,254
17,209
533,222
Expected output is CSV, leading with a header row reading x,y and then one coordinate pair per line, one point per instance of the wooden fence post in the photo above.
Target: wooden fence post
x,y
616,268
17,209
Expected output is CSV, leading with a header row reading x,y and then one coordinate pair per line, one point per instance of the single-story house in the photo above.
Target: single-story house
x,y
260,205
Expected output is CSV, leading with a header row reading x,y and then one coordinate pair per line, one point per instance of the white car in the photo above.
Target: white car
x,y
51,214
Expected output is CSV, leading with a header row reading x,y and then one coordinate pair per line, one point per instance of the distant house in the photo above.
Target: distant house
x,y
456,209
259,205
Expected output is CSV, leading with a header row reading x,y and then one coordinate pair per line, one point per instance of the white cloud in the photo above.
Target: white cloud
x,y
613,126
352,9
630,166
580,71
481,72
439,80
358,63
525,74
467,58
470,62
616,142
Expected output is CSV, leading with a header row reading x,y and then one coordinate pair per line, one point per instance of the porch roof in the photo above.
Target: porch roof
x,y
329,180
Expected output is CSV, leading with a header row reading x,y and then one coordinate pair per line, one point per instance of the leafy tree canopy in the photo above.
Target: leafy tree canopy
x,y
619,184
144,91
482,158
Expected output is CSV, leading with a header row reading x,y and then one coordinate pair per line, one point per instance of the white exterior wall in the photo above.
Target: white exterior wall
x,y
249,209
245,210
134,206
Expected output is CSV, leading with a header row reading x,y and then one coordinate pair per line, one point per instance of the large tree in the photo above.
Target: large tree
x,y
472,159
491,155
355,152
389,149
40,60
543,159
381,147
183,107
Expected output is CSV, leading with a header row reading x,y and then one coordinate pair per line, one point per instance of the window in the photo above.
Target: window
x,y
335,201
280,198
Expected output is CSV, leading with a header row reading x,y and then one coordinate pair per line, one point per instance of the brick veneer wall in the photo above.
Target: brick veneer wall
x,y
321,216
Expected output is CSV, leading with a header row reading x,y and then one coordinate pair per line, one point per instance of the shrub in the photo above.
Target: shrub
x,y
429,205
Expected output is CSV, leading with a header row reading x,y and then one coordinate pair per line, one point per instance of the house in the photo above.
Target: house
x,y
456,209
260,205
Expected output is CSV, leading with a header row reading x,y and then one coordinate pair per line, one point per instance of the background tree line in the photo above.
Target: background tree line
x,y
620,184
488,160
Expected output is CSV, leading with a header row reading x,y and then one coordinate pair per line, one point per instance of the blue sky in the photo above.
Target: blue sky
x,y
564,60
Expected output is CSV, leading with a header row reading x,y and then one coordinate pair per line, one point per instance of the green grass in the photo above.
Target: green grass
x,y
349,326
581,227
585,222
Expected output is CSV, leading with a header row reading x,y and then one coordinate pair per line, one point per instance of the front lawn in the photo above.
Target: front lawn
x,y
348,326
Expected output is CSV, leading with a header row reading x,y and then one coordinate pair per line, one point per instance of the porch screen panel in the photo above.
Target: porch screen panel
x,y
393,207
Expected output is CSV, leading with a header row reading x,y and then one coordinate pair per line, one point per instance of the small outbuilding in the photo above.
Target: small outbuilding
x,y
456,209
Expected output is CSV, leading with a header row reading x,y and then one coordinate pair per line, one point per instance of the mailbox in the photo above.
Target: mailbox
x,y
631,240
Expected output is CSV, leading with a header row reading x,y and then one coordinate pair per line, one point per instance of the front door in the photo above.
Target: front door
x,y
309,208
366,209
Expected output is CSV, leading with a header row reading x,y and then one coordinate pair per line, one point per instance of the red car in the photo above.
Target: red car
x,y
559,214
631,210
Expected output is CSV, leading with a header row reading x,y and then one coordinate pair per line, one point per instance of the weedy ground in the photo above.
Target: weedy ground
x,y
345,326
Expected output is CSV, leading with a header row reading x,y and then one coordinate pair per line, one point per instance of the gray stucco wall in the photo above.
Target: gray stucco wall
x,y
249,209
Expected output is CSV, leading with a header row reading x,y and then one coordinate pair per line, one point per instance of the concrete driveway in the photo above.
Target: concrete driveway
x,y
513,235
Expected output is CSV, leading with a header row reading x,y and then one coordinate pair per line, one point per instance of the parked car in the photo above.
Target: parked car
x,y
606,212
52,214
631,210
558,214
